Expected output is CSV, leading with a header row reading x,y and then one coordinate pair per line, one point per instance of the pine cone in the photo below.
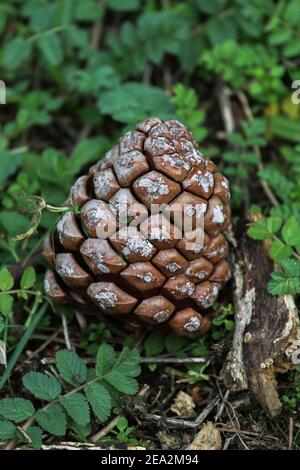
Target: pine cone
x,y
127,255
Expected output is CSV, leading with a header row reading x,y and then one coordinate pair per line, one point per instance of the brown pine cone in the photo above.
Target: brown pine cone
x,y
148,245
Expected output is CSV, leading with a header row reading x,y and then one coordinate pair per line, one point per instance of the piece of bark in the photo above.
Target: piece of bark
x,y
266,326
208,438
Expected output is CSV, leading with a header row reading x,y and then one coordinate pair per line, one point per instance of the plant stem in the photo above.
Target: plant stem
x,y
21,345
249,116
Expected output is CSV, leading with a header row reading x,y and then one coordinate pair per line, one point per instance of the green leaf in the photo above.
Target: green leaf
x,y
122,424
119,372
124,5
259,230
281,185
211,7
86,151
6,280
291,231
81,432
7,430
291,267
53,420
42,386
71,367
13,222
89,10
77,408
63,12
273,224
154,344
28,278
132,102
16,409
99,399
6,304
15,52
128,362
51,49
220,30
9,164
279,250
106,357
285,128
122,383
280,284
35,434
292,12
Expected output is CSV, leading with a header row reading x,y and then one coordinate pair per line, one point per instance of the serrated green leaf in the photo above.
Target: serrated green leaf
x,y
77,408
128,362
285,128
15,52
53,420
51,49
291,267
99,399
42,386
280,284
6,304
131,102
35,434
81,432
6,280
122,383
291,231
16,409
273,224
106,357
7,430
279,250
28,278
258,230
71,367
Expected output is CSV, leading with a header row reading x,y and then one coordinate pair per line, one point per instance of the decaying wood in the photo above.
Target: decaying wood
x,y
266,326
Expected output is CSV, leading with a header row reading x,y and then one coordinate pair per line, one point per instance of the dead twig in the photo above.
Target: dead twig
x,y
41,348
144,360
104,431
66,332
175,422
291,432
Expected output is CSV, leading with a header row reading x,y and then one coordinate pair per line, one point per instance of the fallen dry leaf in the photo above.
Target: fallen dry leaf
x,y
183,405
208,438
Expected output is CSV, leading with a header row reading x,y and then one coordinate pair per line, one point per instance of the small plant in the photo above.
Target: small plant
x,y
293,400
223,323
284,236
188,111
72,396
123,432
95,334
26,291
